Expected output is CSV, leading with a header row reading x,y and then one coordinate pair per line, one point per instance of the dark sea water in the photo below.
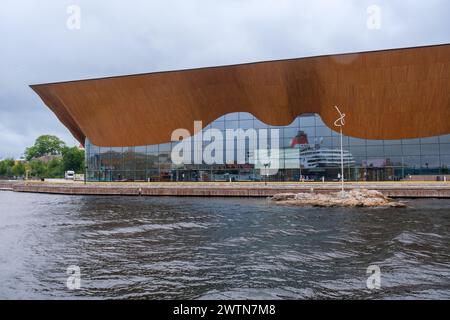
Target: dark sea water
x,y
217,248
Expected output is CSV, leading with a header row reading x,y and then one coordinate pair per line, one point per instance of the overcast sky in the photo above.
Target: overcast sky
x,y
136,36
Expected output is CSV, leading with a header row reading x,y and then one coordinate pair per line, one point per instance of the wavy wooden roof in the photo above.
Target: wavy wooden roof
x,y
390,94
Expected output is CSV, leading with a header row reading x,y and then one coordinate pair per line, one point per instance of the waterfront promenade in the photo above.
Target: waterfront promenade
x,y
416,189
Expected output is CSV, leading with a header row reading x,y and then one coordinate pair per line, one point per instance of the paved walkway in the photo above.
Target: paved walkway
x,y
237,189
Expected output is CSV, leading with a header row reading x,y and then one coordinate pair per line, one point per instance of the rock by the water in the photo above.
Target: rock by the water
x,y
352,198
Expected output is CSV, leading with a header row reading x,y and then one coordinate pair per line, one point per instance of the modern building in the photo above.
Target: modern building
x,y
396,105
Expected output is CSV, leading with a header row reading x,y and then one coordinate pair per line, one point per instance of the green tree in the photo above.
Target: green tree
x,y
6,167
55,168
73,159
38,168
18,170
45,145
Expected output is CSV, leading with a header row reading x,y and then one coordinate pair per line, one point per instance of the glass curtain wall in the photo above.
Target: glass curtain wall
x,y
309,151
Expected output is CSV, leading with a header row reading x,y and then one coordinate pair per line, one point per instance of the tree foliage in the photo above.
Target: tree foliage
x,y
45,145
65,159
38,169
73,159
54,169
6,168
18,170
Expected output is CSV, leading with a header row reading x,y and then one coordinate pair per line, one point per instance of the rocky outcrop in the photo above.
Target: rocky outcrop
x,y
353,198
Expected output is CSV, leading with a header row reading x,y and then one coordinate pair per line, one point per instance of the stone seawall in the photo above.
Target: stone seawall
x,y
203,189
7,185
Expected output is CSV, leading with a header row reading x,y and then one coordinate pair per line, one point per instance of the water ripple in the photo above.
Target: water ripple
x,y
194,248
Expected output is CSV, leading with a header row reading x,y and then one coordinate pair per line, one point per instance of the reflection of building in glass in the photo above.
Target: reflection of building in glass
x,y
324,158
306,140
317,156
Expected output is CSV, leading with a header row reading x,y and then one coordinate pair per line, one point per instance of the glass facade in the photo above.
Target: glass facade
x,y
308,150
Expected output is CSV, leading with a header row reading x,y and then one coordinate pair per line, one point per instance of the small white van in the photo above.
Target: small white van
x,y
69,175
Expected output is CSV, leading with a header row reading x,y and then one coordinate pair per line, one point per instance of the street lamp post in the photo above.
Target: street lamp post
x,y
267,172
340,122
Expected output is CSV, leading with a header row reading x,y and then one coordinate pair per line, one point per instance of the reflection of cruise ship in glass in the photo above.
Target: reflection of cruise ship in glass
x,y
316,156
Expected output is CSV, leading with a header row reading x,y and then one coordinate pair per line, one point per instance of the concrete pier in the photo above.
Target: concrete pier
x,y
221,189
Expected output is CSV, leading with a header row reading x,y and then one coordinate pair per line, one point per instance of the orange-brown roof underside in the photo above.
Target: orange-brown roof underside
x,y
391,94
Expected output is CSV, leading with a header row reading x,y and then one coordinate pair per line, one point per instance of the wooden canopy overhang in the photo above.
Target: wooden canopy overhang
x,y
389,94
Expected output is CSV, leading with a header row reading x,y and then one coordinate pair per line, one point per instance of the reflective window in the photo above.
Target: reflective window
x,y
445,148
245,116
375,151
411,141
337,142
444,139
357,141
429,162
325,142
245,124
429,149
165,147
393,150
412,161
358,151
315,143
411,150
445,163
260,125
218,125
429,140
307,121
323,132
374,142
232,116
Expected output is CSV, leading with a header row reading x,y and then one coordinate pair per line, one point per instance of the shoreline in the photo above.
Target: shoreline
x,y
225,189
